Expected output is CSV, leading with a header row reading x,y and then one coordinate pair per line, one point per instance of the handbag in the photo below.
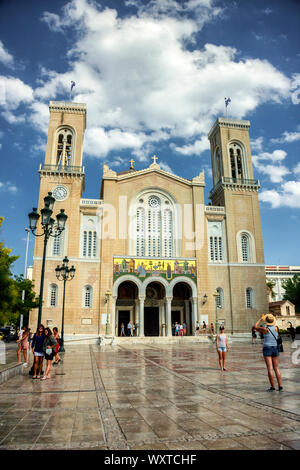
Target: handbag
x,y
49,351
278,341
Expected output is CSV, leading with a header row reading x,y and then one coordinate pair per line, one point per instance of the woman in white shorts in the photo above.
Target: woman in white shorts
x,y
222,347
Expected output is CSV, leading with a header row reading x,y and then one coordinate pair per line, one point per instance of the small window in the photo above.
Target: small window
x,y
57,245
53,295
87,294
249,297
220,298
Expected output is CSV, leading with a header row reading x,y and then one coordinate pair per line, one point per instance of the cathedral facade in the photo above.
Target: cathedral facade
x,y
149,250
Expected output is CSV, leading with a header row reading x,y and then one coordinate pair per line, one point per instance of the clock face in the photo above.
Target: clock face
x,y
60,193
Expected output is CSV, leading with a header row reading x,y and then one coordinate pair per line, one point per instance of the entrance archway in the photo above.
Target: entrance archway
x,y
181,308
153,309
126,306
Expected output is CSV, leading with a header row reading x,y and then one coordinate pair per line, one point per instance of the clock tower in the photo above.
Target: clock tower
x,y
63,175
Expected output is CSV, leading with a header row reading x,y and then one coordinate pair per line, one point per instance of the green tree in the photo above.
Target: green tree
x,y
292,291
270,289
8,290
30,300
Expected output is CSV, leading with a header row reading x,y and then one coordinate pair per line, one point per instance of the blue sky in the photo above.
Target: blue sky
x,y
154,75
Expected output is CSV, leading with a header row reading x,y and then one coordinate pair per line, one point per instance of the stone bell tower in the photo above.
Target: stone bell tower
x,y
235,188
62,174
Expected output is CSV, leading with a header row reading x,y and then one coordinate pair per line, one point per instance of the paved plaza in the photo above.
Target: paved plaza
x,y
153,397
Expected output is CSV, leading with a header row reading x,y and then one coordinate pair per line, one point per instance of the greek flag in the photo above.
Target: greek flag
x,y
227,101
72,85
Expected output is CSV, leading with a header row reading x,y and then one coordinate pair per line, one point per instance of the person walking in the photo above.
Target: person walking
x,y
49,345
56,337
253,335
197,331
222,347
270,333
184,328
212,328
181,329
129,328
23,344
177,329
292,332
37,350
122,329
133,329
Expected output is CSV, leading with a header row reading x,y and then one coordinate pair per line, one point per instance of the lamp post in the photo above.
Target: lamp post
x,y
51,228
64,273
216,295
107,295
27,230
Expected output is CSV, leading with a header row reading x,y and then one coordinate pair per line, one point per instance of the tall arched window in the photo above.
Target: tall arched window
x,y
87,297
53,295
245,247
154,226
249,298
217,166
237,161
140,231
64,149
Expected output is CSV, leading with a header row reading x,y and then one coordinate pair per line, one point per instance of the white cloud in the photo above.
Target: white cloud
x,y
275,171
5,57
198,147
287,137
8,186
296,170
295,85
256,144
138,92
165,166
288,195
13,92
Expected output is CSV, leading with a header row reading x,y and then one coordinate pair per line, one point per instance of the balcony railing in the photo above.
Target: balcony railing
x,y
235,182
62,168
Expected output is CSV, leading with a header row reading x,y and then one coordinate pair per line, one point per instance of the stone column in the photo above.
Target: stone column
x,y
194,313
187,317
141,316
114,327
169,316
136,317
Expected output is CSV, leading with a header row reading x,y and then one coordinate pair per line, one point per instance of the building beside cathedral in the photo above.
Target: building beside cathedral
x,y
150,244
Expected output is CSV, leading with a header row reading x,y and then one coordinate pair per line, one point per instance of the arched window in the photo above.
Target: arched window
x,y
154,226
65,144
237,161
87,297
53,295
245,248
220,298
217,166
140,231
249,298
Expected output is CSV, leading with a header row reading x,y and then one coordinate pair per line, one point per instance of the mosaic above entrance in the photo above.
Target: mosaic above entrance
x,y
147,267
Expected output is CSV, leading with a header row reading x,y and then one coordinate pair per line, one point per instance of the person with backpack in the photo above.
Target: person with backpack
x,y
270,348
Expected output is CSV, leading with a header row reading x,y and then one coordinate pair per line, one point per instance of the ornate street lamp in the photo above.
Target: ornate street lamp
x,y
64,273
108,293
51,228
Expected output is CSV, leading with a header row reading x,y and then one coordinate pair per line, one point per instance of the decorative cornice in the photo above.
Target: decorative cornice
x,y
154,167
199,180
230,123
67,106
233,184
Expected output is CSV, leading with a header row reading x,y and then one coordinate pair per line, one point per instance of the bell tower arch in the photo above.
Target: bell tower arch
x,y
235,188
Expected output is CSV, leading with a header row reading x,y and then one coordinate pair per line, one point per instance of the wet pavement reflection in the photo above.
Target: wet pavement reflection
x,y
158,396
